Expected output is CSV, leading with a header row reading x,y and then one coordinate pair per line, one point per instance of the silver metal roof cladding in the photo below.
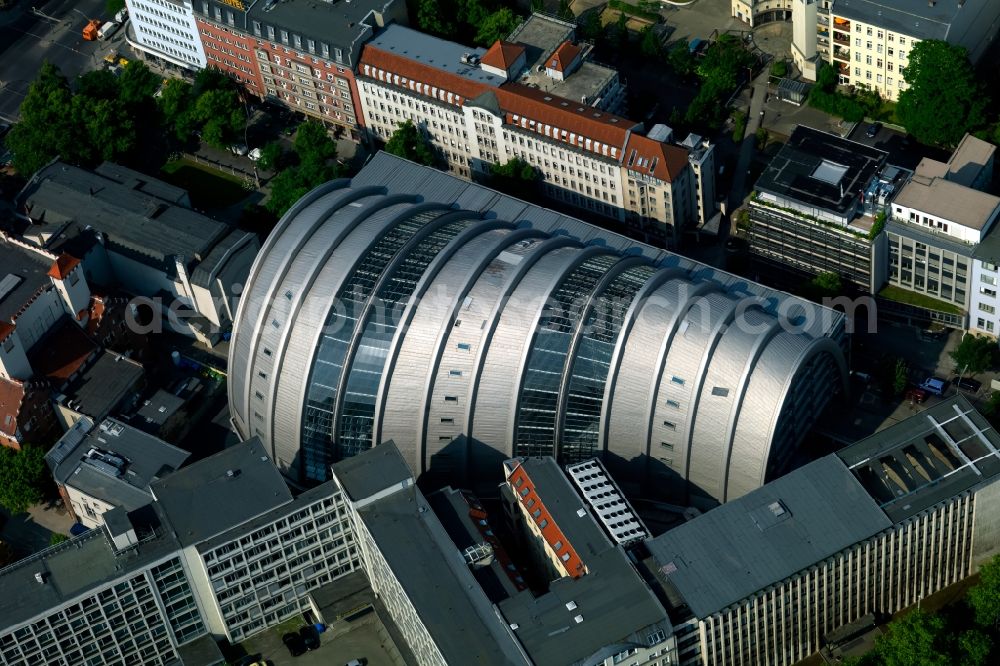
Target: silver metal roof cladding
x,y
471,327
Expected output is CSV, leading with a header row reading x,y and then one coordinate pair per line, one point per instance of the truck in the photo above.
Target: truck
x,y
91,30
107,30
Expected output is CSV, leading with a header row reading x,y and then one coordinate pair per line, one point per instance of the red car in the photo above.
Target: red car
x,y
917,395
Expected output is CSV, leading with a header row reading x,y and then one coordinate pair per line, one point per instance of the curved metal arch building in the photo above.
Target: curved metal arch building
x,y
470,327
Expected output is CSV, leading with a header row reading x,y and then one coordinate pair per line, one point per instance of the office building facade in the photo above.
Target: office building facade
x,y
166,29
805,573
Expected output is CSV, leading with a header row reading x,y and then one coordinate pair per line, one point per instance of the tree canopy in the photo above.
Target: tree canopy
x,y
516,178
496,26
481,21
974,354
719,71
315,152
409,142
914,639
943,99
23,477
984,598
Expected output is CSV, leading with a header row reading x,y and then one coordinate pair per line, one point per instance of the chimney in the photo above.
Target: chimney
x,y
40,578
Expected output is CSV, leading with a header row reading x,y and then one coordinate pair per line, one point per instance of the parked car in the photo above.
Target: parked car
x,y
294,644
968,384
916,395
357,662
254,154
872,130
309,636
934,386
238,149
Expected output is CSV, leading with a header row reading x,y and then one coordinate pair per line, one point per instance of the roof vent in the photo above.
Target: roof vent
x,y
570,605
581,512
578,619
40,578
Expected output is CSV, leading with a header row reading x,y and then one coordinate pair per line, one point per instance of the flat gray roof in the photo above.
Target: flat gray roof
x,y
910,17
762,538
104,384
130,214
160,407
338,23
924,235
22,275
142,457
221,492
74,568
988,249
378,468
927,458
437,580
615,605
586,81
540,36
430,50
948,200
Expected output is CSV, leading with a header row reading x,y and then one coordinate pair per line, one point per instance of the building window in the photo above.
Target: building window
x,y
557,545
677,380
543,523
989,309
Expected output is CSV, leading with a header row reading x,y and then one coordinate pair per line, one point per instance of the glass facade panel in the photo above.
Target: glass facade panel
x,y
357,414
338,329
539,397
581,420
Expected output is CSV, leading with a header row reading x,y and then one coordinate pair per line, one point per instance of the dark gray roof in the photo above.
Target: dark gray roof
x,y
71,569
741,547
131,217
988,249
436,579
104,384
135,180
917,18
434,51
221,492
546,627
160,407
821,170
926,459
218,257
338,23
22,275
379,468
146,458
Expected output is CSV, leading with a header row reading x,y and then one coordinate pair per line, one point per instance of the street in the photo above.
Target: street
x,y
52,31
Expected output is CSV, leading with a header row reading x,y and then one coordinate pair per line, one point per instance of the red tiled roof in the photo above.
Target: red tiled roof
x,y
62,266
63,352
11,397
554,536
564,56
580,119
411,70
654,158
502,54
6,329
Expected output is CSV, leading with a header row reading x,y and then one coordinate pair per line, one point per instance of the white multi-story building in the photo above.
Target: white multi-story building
x,y
869,41
477,115
870,530
166,30
937,219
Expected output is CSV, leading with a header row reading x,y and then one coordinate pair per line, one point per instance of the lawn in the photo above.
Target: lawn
x,y
208,187
899,295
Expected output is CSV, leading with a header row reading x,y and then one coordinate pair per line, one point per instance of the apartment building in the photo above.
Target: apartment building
x,y
868,41
937,219
984,311
774,575
298,52
99,467
166,29
814,206
477,115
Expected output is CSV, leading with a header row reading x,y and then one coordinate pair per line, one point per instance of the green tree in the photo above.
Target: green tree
x,y
590,27
943,100
899,377
974,648
762,137
984,598
916,638
270,156
312,142
409,142
878,224
719,71
221,115
564,12
680,60
516,178
649,43
496,26
46,128
56,538
286,188
23,477
107,131
176,102
827,284
112,7
779,68
974,354
432,16
98,84
137,83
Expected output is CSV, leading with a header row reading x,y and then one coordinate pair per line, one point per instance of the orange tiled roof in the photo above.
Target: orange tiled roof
x,y
502,54
564,56
62,266
419,72
11,397
579,119
654,158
